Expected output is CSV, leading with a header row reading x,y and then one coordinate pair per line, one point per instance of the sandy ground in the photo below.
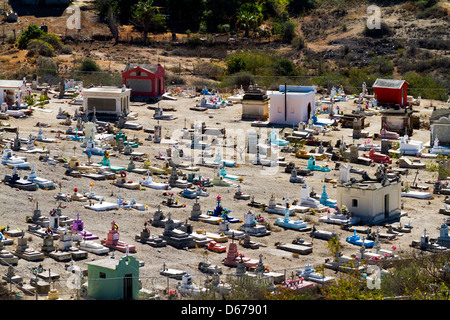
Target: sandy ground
x,y
16,205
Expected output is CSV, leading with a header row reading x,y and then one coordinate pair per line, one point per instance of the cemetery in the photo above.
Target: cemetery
x,y
156,187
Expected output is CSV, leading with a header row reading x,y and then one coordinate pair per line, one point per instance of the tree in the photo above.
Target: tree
x,y
31,33
250,16
145,15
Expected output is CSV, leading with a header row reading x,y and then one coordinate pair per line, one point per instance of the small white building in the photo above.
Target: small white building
x,y
109,101
292,105
13,91
374,201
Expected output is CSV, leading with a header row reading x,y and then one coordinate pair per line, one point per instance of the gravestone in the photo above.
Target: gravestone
x,y
385,146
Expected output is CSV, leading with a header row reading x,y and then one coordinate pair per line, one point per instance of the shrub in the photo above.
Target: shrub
x,y
46,65
89,65
32,32
286,30
40,47
53,40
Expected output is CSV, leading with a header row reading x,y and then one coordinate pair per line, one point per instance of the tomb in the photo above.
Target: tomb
x,y
313,167
49,249
149,183
294,178
14,181
426,245
175,182
239,195
222,212
224,228
307,201
66,245
197,215
201,240
113,241
310,274
122,182
11,277
6,257
443,239
295,248
233,257
160,221
146,238
171,273
187,286
389,135
356,240
378,157
78,227
288,223
410,147
176,237
251,226
92,247
325,200
339,216
26,253
273,207
438,148
372,200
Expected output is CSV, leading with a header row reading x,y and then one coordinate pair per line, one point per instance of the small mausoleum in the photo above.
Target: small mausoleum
x,y
13,91
291,105
255,104
112,279
391,92
109,102
144,80
373,200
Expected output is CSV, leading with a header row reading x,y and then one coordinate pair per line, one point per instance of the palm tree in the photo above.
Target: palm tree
x,y
249,16
143,15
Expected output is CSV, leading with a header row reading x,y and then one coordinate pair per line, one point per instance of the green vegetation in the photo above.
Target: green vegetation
x,y
89,65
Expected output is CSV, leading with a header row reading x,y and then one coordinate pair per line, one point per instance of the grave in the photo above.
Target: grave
x,y
146,238
26,253
251,226
6,257
113,241
176,237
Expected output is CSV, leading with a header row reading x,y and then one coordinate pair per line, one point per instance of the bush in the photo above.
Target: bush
x,y
89,65
40,47
286,30
31,33
238,79
53,40
46,65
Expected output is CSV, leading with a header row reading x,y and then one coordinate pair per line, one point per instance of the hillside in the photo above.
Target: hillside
x,y
333,46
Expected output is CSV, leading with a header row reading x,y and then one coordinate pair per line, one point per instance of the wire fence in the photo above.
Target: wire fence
x,y
73,284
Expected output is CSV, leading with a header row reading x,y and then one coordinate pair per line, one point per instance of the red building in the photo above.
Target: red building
x,y
144,80
390,92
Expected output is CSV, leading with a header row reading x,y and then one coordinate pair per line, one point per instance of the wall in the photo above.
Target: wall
x,y
297,108
370,202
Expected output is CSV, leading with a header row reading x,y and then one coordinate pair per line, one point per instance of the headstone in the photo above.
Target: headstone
x,y
385,146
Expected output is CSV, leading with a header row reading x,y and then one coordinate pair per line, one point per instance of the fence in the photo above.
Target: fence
x,y
72,285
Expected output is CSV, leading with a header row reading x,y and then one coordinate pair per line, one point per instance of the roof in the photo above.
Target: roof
x,y
11,83
104,90
147,66
438,113
388,83
105,263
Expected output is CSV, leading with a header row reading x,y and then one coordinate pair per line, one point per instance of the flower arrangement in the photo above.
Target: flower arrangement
x,y
173,295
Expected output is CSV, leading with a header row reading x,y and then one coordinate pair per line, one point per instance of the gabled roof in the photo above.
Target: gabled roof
x,y
147,66
388,83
